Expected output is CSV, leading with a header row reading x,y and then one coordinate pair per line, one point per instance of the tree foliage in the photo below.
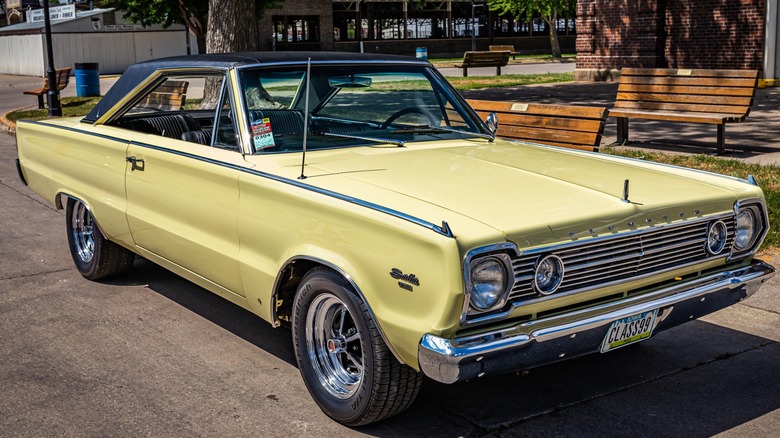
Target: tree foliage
x,y
549,10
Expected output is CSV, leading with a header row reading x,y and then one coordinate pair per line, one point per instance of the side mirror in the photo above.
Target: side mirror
x,y
492,123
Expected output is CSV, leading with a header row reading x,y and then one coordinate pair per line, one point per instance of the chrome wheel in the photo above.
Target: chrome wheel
x,y
333,345
82,228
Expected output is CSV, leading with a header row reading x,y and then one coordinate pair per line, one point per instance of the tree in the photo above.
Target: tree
x,y
234,28
194,14
549,10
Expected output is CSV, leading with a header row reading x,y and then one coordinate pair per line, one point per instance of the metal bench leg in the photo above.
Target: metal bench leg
x,y
498,71
40,101
465,72
721,139
622,130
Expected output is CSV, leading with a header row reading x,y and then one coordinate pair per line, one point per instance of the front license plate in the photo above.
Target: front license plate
x,y
628,330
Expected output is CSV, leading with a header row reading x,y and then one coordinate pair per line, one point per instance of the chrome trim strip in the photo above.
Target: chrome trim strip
x,y
442,230
452,360
275,319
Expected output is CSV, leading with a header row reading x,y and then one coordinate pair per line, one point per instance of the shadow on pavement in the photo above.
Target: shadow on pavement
x,y
695,380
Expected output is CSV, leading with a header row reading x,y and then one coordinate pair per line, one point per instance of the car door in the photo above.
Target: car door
x,y
182,199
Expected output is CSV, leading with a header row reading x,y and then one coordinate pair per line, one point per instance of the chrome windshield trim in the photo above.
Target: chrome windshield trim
x,y
442,229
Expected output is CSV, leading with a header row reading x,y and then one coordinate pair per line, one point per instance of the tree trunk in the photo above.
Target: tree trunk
x,y
552,22
232,26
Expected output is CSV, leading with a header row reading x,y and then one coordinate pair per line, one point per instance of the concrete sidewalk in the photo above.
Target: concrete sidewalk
x,y
756,140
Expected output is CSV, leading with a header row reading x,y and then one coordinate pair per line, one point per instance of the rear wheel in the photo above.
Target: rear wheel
x,y
348,369
95,256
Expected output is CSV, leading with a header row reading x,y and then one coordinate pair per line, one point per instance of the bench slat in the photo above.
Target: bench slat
x,y
734,111
688,81
543,135
708,118
554,123
541,109
673,89
682,98
673,72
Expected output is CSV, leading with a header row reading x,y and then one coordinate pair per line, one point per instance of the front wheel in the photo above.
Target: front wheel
x,y
348,369
95,256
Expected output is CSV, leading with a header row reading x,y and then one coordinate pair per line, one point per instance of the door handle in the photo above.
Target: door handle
x,y
136,163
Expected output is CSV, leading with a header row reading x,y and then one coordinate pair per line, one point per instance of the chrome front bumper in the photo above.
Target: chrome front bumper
x,y
572,334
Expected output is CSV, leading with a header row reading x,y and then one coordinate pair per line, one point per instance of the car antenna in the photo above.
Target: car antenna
x,y
306,117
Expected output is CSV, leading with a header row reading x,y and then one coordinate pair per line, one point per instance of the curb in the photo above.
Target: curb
x,y
10,127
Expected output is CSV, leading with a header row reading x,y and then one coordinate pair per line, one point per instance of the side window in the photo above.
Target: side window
x,y
182,107
226,134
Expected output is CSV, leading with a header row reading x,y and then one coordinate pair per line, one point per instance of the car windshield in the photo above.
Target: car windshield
x,y
351,105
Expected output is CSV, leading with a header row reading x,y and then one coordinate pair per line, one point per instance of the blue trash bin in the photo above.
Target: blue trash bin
x,y
422,53
87,79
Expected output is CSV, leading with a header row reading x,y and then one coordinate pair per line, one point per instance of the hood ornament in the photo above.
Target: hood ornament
x,y
625,191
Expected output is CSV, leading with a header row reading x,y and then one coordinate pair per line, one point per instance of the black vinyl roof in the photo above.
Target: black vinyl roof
x,y
137,73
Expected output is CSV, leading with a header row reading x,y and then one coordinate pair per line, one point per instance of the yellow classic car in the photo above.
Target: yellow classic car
x,y
360,201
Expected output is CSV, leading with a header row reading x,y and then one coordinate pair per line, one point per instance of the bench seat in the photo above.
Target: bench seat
x,y
577,127
704,96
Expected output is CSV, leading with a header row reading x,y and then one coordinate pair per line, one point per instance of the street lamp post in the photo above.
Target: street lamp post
x,y
53,97
474,27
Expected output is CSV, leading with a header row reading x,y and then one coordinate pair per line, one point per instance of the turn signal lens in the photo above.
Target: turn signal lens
x,y
548,275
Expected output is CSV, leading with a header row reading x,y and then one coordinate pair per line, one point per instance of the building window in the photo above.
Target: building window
x,y
296,29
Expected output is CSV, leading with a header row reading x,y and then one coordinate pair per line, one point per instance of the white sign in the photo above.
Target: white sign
x,y
67,12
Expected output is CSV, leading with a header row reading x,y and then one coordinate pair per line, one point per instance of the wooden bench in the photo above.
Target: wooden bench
x,y
168,96
504,48
578,127
63,76
484,59
677,95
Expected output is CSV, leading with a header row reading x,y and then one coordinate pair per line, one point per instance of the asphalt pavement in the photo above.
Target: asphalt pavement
x,y
150,354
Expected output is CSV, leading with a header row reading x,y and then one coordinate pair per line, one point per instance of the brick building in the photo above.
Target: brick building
x,y
734,34
443,27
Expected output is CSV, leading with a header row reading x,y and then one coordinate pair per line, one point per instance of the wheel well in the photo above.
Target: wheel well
x,y
287,285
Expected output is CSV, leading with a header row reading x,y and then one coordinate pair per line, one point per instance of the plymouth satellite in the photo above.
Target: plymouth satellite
x,y
360,201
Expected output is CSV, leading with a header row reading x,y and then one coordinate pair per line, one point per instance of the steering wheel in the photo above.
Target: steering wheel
x,y
411,110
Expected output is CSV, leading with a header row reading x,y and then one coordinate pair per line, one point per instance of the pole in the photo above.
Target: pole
x,y
53,97
473,30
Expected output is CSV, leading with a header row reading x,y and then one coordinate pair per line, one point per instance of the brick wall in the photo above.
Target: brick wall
x,y
613,34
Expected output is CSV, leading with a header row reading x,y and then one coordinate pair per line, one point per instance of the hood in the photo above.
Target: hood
x,y
532,194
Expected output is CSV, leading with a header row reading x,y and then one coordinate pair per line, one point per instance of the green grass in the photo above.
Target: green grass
x,y
71,107
768,178
477,82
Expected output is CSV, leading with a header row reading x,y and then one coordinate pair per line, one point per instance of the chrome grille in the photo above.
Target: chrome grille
x,y
603,261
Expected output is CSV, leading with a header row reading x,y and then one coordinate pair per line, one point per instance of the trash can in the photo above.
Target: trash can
x,y
87,79
422,53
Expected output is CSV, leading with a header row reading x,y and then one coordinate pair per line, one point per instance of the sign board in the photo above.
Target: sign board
x,y
67,12
13,4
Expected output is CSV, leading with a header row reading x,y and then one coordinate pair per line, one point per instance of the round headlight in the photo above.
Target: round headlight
x,y
548,275
716,237
488,283
746,229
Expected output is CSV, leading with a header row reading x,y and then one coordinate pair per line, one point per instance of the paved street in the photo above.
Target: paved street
x,y
152,354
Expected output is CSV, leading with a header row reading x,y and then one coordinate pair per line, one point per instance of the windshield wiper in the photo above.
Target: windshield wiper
x,y
427,129
398,143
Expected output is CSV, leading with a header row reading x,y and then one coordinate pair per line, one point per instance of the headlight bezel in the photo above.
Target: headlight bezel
x,y
472,262
760,227
723,230
561,268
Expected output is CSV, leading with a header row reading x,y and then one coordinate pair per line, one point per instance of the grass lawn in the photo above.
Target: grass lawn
x,y
71,107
